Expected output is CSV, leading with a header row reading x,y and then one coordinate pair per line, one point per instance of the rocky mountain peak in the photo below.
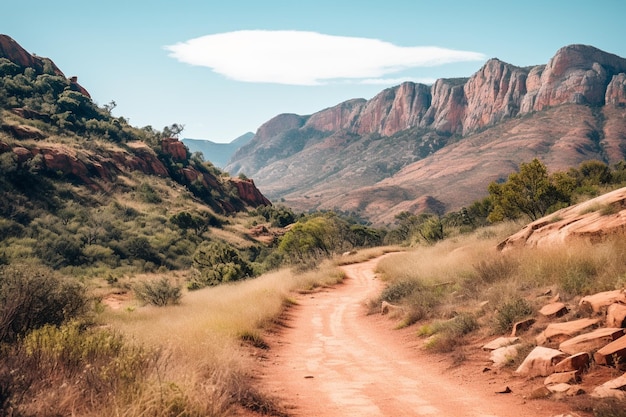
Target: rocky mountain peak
x,y
466,131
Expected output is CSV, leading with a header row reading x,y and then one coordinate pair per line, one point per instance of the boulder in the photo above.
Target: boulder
x,y
176,149
559,332
599,302
577,362
553,310
247,191
500,342
540,362
615,388
614,351
592,341
522,326
563,390
502,356
616,315
571,377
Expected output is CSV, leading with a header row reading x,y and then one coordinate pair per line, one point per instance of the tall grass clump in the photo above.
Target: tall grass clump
x,y
72,370
448,334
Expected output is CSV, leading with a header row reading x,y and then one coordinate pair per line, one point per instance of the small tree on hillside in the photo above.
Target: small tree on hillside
x,y
531,192
215,263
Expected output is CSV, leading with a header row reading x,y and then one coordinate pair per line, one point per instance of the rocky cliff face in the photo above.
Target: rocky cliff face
x,y
576,74
447,140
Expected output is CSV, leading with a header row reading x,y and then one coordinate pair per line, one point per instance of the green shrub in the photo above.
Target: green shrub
x,y
31,297
399,290
215,263
159,292
87,369
509,312
448,334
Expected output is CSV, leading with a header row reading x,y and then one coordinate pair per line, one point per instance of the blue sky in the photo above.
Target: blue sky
x,y
224,68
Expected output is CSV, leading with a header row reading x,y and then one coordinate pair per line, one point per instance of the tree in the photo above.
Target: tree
x,y
31,297
531,192
215,263
173,130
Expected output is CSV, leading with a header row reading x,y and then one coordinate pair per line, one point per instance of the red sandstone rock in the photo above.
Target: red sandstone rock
x,y
540,362
614,388
14,52
616,90
592,341
577,222
577,362
553,310
175,148
614,351
249,193
599,302
559,332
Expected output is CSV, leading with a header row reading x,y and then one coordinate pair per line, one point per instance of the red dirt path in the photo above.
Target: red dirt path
x,y
335,360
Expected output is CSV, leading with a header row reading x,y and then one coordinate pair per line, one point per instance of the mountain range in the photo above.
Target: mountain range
x,y
218,153
435,148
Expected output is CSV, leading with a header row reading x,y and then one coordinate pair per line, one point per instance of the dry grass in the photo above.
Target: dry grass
x,y
459,275
203,340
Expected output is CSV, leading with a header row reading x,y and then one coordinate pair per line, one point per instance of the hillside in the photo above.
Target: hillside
x,y
82,190
434,148
217,153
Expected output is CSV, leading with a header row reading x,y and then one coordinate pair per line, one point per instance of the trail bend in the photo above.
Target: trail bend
x,y
335,360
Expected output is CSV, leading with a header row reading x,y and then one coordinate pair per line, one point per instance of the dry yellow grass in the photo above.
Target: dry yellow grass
x,y
201,339
460,274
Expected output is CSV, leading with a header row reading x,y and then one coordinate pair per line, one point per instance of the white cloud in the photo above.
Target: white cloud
x,y
308,58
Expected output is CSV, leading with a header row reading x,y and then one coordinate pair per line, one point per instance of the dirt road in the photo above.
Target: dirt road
x,y
334,360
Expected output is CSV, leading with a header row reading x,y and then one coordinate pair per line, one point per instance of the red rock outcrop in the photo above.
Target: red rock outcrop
x,y
493,93
14,52
576,74
175,148
248,192
592,220
616,90
341,117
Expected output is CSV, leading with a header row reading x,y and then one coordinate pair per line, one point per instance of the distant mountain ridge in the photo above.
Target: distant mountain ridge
x,y
217,153
416,147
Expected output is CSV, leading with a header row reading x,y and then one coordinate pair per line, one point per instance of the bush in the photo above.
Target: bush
x,y
216,263
449,333
509,312
70,370
31,297
159,292
495,269
399,290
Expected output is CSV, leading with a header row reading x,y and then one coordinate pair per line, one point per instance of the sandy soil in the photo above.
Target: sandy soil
x,y
332,359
